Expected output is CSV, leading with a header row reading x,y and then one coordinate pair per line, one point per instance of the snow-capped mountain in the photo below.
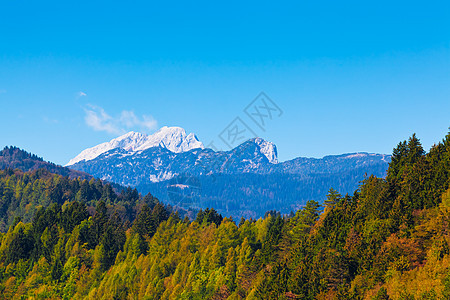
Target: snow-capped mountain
x,y
173,139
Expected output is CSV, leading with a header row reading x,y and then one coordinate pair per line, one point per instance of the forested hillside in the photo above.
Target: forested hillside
x,y
22,194
251,195
388,240
15,158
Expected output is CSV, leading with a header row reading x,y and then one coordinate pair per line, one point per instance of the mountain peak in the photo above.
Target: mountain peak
x,y
171,138
268,149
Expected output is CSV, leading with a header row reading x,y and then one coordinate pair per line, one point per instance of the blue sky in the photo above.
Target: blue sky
x,y
349,76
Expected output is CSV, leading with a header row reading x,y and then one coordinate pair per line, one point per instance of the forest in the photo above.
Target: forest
x,y
76,239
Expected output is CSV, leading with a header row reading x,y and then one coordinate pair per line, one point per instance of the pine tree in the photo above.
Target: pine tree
x,y
333,198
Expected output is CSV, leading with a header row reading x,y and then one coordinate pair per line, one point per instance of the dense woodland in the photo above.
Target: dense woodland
x,y
390,239
22,194
15,158
251,195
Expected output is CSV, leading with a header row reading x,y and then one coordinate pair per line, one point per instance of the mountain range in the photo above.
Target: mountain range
x,y
173,139
245,181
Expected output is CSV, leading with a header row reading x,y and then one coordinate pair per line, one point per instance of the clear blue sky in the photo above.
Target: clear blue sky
x,y
349,76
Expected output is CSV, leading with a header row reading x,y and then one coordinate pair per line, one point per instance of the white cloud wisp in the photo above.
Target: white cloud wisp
x,y
98,119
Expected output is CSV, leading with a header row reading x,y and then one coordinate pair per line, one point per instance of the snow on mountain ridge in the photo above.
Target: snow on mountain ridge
x,y
268,149
171,138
